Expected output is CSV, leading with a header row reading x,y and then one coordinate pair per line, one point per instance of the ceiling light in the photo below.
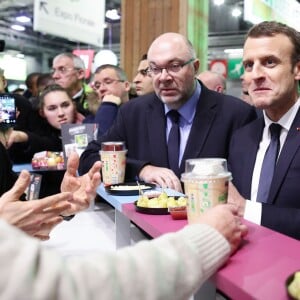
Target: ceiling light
x,y
23,19
112,14
234,50
218,2
17,27
236,12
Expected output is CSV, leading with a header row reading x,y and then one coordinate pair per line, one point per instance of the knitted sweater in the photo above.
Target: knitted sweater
x,y
170,267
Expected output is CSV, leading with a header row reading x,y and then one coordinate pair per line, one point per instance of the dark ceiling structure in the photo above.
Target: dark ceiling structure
x,y
224,30
34,43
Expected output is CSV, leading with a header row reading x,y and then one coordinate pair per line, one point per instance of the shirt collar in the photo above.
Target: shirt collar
x,y
188,110
287,119
78,94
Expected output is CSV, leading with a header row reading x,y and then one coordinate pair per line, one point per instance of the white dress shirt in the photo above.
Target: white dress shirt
x,y
253,208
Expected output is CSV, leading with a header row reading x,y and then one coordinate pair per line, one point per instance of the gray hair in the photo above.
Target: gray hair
x,y
77,61
120,72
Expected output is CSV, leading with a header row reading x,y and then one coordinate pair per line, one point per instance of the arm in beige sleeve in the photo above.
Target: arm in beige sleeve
x,y
170,267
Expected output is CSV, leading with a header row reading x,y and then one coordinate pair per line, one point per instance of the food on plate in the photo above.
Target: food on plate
x,y
129,187
162,201
48,160
294,286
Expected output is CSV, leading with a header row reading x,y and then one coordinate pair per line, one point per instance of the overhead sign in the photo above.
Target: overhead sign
x,y
285,11
76,20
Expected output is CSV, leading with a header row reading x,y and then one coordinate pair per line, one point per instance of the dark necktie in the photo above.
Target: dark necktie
x,y
269,163
174,142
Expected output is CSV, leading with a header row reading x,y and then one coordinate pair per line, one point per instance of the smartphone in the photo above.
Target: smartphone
x,y
7,110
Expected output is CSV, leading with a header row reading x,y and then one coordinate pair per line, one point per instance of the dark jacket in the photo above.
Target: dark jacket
x,y
141,123
283,214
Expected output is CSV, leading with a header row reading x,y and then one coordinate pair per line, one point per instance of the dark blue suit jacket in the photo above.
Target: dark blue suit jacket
x,y
141,123
283,214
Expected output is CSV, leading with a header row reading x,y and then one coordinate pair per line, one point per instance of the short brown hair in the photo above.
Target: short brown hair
x,y
272,28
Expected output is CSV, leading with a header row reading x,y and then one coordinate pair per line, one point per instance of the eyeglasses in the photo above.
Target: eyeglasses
x,y
62,70
96,84
171,69
144,72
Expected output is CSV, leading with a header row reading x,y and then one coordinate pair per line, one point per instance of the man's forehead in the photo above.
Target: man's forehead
x,y
144,64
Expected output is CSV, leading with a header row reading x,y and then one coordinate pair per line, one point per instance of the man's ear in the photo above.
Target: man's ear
x,y
196,65
127,85
81,73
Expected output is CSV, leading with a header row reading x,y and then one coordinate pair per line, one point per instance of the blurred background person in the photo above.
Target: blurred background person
x,y
25,118
30,82
94,103
143,80
44,80
56,108
213,80
111,84
244,93
68,71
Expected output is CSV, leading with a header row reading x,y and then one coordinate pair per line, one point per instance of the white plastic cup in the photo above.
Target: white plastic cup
x,y
205,184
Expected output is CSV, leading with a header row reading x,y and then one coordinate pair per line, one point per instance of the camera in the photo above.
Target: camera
x,y
7,111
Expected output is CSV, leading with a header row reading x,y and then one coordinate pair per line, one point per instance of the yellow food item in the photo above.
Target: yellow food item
x,y
181,201
294,286
162,201
143,201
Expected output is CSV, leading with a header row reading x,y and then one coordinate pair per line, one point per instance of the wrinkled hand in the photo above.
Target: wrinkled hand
x,y
235,198
163,177
225,219
36,217
83,188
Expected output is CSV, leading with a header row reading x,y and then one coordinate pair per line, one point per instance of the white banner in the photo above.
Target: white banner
x,y
76,20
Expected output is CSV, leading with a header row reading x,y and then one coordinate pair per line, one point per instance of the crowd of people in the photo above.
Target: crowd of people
x,y
210,123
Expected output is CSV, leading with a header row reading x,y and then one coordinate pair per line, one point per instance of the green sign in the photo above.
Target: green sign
x,y
235,68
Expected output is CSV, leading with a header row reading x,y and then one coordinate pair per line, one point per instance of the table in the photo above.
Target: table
x,y
90,231
257,271
19,167
123,224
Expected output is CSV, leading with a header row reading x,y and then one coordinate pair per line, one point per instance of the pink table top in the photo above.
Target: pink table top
x,y
257,271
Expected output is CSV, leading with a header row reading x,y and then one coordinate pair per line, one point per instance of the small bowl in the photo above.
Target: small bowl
x,y
178,212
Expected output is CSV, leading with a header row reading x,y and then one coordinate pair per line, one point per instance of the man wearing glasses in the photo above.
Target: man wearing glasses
x,y
111,84
205,119
68,71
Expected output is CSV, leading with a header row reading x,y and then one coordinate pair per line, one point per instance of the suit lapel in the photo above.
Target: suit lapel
x,y
250,145
289,149
156,120
203,120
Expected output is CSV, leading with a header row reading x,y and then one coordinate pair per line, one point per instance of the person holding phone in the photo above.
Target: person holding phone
x,y
56,108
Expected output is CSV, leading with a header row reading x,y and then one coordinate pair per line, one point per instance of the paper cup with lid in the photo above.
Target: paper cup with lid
x,y
113,158
206,185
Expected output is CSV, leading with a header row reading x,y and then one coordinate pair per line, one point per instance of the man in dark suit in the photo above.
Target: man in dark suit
x,y
207,119
272,69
